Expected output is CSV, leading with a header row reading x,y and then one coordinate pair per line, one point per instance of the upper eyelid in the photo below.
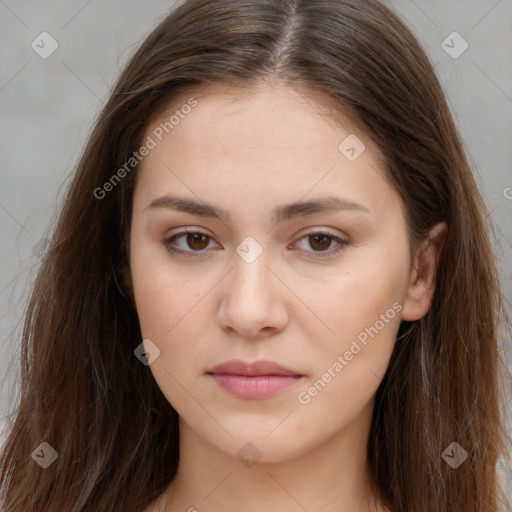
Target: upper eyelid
x,y
313,231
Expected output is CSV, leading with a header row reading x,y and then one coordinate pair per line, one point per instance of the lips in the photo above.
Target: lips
x,y
259,379
236,367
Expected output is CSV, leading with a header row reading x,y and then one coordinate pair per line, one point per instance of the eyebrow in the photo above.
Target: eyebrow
x,y
279,214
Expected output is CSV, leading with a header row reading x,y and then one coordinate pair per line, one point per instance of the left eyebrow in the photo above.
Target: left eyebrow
x,y
279,214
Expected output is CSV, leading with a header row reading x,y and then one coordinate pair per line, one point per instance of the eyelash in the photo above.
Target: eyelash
x,y
321,254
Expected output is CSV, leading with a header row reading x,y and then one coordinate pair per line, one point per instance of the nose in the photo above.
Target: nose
x,y
253,299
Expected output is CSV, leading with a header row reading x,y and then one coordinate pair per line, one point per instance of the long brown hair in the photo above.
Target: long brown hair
x,y
85,393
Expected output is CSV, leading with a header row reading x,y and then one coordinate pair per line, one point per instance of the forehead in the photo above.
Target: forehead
x,y
266,114
264,103
272,138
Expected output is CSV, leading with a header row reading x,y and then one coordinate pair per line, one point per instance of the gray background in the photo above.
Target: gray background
x,y
48,106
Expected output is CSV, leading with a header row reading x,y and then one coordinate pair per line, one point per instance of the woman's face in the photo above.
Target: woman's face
x,y
297,254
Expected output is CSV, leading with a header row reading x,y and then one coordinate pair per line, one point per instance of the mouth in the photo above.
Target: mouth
x,y
259,379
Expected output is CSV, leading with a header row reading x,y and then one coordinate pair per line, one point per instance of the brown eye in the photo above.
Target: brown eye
x,y
189,243
197,241
320,242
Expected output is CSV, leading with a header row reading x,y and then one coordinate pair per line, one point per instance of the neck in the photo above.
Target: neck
x,y
327,475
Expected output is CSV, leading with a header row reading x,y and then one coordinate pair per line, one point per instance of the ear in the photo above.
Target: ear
x,y
423,275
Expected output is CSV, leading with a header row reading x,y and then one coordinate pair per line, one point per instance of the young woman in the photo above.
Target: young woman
x,y
271,285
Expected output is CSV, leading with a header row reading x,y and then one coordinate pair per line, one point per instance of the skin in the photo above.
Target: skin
x,y
249,153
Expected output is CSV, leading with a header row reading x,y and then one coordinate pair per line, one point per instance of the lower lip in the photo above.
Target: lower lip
x,y
254,386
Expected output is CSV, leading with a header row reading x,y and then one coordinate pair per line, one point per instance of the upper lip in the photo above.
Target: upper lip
x,y
237,367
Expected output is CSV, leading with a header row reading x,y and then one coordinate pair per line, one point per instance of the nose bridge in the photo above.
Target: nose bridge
x,y
249,302
250,274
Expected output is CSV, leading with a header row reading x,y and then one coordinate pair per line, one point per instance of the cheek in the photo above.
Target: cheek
x,y
173,310
362,307
176,323
354,297
173,316
350,364
163,296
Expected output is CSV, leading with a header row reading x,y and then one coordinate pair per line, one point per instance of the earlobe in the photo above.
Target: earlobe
x,y
423,275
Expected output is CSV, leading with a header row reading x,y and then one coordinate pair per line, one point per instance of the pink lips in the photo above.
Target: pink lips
x,y
253,380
